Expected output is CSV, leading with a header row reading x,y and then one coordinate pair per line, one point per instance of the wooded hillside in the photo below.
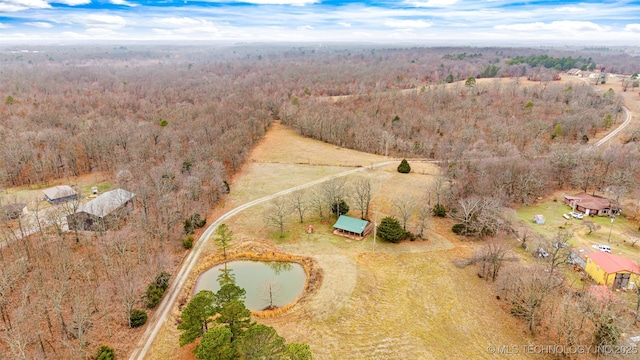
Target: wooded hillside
x,y
174,124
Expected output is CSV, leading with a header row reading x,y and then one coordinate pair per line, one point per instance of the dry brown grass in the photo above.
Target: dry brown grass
x,y
403,301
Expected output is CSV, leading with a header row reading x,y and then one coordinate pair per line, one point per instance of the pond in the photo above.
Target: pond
x,y
269,284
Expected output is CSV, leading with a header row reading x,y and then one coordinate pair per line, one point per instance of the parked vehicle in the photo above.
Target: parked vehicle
x,y
566,216
577,215
543,253
605,248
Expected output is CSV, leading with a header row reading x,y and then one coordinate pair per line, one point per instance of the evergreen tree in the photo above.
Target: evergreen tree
x,y
216,345
196,317
404,167
260,342
391,230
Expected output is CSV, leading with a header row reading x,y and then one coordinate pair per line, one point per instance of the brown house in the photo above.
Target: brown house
x,y
103,212
592,204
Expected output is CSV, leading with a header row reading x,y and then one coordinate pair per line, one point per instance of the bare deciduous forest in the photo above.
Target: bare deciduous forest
x,y
174,124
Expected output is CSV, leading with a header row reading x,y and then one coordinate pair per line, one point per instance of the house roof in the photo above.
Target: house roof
x,y
591,202
347,223
612,264
13,208
59,192
106,203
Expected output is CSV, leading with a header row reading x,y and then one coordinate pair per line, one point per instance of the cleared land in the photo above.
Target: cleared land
x,y
401,301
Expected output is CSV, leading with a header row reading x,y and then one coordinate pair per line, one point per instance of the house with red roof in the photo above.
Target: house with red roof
x,y
592,204
613,271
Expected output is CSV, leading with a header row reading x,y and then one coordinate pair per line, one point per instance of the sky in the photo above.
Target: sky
x,y
455,22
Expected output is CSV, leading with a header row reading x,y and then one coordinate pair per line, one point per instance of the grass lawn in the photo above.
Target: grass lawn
x,y
552,208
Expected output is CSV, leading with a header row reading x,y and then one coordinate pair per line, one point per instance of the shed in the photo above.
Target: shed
x,y
349,226
612,270
103,212
539,219
60,194
14,210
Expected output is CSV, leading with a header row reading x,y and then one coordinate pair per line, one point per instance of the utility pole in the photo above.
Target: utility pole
x,y
375,229
611,227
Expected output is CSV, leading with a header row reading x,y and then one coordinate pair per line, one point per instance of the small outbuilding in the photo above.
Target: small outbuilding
x,y
613,271
351,227
539,219
102,213
60,194
14,210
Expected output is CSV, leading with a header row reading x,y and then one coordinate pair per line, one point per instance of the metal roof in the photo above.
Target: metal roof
x,y
106,203
347,223
612,264
59,192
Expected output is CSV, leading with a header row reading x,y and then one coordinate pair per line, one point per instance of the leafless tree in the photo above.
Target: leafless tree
x,y
270,292
362,196
490,258
278,214
591,226
318,202
334,190
621,181
404,206
423,214
527,289
299,203
480,215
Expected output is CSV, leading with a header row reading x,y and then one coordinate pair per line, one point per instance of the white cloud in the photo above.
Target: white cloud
x,y
632,27
102,21
4,26
198,30
408,24
571,9
560,26
71,2
282,2
74,35
177,21
19,5
102,32
432,3
40,24
305,27
123,2
345,24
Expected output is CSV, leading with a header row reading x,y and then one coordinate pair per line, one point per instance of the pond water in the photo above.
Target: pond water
x,y
267,283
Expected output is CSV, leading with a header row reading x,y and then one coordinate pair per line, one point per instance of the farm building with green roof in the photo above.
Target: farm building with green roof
x,y
352,227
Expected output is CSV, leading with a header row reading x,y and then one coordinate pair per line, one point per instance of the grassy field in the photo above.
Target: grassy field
x,y
615,234
32,195
401,301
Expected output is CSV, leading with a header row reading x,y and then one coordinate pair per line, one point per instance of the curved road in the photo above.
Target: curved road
x,y
141,349
617,130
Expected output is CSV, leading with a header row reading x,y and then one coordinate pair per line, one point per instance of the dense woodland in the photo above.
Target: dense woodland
x,y
173,124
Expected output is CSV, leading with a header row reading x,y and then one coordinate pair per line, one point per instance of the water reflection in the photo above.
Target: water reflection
x,y
269,284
